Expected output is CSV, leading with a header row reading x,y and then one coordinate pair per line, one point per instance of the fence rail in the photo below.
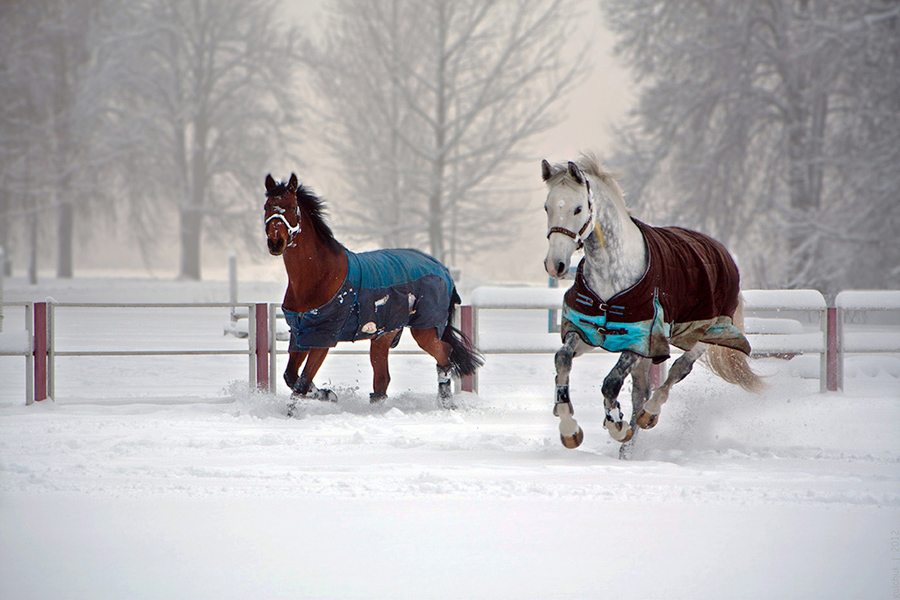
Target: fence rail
x,y
829,340
779,337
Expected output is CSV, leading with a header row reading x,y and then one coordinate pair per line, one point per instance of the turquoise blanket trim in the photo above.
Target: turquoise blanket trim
x,y
634,337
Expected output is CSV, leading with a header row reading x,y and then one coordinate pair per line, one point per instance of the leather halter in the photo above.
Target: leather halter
x,y
291,229
579,237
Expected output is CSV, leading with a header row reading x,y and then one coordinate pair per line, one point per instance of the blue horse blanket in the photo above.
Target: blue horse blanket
x,y
385,290
688,294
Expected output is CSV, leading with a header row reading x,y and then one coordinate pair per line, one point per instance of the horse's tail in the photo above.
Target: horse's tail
x,y
464,356
732,365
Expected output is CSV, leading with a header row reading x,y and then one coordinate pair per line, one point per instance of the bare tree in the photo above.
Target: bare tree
x,y
757,119
428,102
50,120
209,98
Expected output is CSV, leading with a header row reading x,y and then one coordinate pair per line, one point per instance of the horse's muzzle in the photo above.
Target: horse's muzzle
x,y
276,246
555,268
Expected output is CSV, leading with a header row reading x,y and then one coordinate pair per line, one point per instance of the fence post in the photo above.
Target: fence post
x,y
261,315
273,353
834,350
469,327
40,351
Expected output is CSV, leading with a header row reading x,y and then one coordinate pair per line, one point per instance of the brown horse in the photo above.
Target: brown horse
x,y
337,295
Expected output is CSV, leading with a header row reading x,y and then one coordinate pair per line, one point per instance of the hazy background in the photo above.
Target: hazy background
x,y
135,139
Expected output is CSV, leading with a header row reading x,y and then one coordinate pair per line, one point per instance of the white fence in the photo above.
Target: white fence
x,y
783,335
769,336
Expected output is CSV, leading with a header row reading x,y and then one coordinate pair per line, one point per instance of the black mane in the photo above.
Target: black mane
x,y
314,208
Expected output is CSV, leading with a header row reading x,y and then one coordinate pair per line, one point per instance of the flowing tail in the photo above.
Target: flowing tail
x,y
464,356
732,365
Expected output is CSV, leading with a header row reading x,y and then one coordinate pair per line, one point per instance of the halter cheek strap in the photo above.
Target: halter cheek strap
x,y
292,230
583,233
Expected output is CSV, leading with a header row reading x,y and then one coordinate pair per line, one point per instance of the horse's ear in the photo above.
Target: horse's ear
x,y
575,173
292,183
270,183
546,170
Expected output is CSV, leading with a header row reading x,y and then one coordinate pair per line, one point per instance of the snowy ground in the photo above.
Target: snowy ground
x,y
167,478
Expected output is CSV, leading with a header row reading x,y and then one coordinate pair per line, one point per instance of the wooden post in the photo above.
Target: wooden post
x,y
262,346
469,328
40,351
834,351
273,351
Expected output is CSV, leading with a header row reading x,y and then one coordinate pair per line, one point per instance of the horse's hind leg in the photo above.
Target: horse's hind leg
x,y
570,433
378,357
649,416
640,391
612,385
428,340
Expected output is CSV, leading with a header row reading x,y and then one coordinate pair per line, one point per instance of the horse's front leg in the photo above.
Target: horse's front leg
x,y
570,433
649,415
292,372
302,385
614,421
378,357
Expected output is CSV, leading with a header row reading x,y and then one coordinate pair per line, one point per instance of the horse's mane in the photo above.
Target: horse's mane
x,y
591,165
314,207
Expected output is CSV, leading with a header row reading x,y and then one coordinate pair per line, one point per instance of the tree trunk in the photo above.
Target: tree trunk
x,y
65,241
191,233
435,208
33,250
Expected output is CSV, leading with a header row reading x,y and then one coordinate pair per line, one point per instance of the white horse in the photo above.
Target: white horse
x,y
638,289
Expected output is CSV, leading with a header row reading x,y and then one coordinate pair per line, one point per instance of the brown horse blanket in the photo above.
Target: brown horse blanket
x,y
688,294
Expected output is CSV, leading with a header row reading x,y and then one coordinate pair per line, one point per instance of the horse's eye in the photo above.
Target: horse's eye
x,y
546,209
577,210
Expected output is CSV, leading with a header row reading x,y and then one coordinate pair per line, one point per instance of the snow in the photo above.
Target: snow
x,y
15,342
868,300
517,297
168,478
783,300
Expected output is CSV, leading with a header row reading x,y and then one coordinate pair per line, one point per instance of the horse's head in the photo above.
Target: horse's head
x,y
570,214
283,214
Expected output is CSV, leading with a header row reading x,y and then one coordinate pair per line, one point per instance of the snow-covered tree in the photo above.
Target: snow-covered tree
x,y
770,125
427,102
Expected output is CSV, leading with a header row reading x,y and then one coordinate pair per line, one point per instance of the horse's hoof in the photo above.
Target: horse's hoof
x,y
375,398
647,421
572,441
322,395
445,390
618,430
570,432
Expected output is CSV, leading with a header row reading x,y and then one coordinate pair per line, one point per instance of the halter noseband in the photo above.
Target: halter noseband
x,y
291,229
579,237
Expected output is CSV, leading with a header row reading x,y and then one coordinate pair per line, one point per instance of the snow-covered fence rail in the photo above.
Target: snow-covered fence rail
x,y
20,342
38,342
851,301
768,336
